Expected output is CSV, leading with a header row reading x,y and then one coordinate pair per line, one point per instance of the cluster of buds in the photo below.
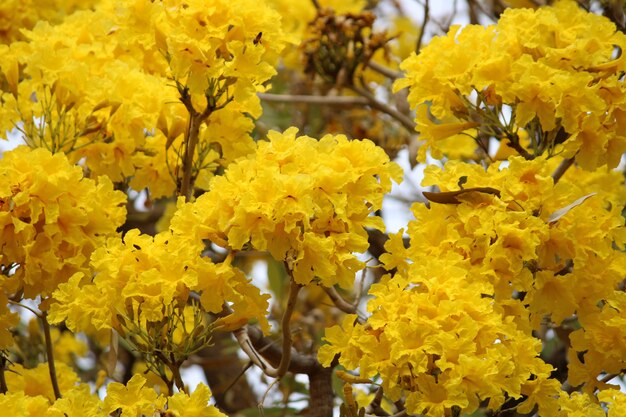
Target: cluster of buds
x,y
339,44
182,331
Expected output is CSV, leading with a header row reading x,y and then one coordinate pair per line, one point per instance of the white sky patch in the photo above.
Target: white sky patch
x,y
13,140
193,376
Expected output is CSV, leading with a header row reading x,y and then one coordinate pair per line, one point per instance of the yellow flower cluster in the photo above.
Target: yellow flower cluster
x,y
110,85
51,220
434,338
503,249
30,395
232,42
554,251
556,70
305,201
142,278
16,15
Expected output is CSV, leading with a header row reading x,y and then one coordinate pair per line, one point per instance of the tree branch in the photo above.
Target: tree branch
x,y
373,102
342,304
387,72
320,378
282,356
561,169
3,381
514,143
375,406
300,364
191,140
243,338
311,99
420,37
178,380
339,302
321,393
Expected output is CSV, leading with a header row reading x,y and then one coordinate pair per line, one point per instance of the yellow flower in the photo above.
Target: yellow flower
x,y
19,404
78,401
194,404
338,338
541,392
16,15
450,137
153,380
67,346
616,401
433,399
134,399
151,274
36,382
51,219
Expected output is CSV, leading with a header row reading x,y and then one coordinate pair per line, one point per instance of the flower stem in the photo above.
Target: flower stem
x,y
50,355
178,380
562,168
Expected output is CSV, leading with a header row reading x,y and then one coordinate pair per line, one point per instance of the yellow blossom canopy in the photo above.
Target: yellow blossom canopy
x,y
555,70
305,201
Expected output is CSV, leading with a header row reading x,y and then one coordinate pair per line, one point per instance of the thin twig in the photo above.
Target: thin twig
x,y
238,377
243,339
606,378
339,302
342,304
374,407
283,366
3,381
562,168
473,16
250,362
50,355
178,380
267,391
513,143
272,352
191,140
387,72
311,99
36,313
420,37
373,102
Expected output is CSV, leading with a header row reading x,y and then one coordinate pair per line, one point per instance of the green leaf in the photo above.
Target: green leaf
x,y
277,278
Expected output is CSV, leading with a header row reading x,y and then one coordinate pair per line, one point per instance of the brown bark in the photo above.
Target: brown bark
x,y
222,367
321,391
320,379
